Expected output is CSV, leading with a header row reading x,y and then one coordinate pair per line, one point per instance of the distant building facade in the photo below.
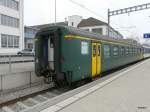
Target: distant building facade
x,y
90,24
74,20
11,26
29,34
97,26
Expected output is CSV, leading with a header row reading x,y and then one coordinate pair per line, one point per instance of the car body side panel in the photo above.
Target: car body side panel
x,y
74,62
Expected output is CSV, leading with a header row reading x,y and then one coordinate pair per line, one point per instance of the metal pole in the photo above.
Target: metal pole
x,y
55,12
108,23
9,64
1,85
30,80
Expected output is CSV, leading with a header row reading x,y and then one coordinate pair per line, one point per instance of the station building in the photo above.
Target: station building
x,y
11,26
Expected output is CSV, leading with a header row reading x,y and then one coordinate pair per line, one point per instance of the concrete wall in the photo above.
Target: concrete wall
x,y
16,80
17,75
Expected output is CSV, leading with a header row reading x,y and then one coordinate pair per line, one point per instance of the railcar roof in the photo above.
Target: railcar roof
x,y
81,32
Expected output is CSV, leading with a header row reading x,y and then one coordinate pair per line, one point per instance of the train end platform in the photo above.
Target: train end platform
x,y
127,90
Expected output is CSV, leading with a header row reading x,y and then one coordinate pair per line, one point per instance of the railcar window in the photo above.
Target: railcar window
x,y
115,51
133,51
106,51
144,50
130,51
136,51
84,48
139,51
127,51
122,51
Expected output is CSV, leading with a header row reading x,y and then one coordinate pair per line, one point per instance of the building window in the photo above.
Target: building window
x,y
9,21
9,41
106,51
97,30
10,4
16,41
30,46
84,48
4,41
115,51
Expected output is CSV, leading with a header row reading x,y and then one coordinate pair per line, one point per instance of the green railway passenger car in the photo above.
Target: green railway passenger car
x,y
69,54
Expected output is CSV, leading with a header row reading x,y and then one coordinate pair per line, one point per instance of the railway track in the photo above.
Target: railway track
x,y
24,103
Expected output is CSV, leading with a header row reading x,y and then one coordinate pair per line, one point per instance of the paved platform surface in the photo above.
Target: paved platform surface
x,y
128,91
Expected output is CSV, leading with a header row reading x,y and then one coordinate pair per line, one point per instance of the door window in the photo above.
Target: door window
x,y
99,52
94,50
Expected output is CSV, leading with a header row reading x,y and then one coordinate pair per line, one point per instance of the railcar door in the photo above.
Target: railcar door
x,y
96,59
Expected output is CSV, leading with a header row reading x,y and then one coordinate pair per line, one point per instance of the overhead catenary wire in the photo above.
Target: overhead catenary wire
x,y
88,9
98,15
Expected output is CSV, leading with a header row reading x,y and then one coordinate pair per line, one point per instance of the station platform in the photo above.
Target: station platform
x,y
127,90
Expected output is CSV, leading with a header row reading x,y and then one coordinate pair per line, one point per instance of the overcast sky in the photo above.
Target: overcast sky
x,y
133,24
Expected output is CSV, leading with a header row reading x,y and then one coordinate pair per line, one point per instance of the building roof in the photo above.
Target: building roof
x,y
91,22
